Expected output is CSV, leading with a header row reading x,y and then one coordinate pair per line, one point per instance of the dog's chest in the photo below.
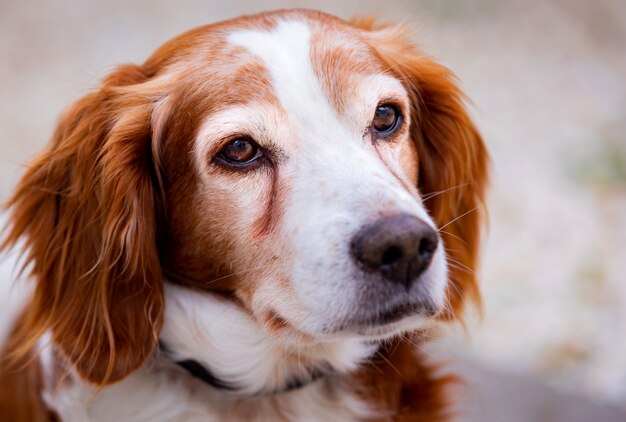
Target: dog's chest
x,y
164,394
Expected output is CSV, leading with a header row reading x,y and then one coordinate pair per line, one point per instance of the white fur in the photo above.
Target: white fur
x,y
167,394
219,334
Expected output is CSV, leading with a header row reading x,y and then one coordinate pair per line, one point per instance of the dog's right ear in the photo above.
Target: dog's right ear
x,y
86,213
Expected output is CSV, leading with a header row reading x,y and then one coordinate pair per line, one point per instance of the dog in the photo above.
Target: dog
x,y
264,221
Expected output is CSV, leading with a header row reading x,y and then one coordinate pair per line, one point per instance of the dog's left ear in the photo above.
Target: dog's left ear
x,y
452,159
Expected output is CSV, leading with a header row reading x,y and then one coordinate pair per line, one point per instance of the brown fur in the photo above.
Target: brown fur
x,y
108,208
401,382
20,386
95,260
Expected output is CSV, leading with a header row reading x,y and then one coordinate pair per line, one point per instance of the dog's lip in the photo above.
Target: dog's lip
x,y
388,317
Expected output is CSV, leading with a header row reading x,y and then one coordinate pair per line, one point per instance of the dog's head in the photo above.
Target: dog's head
x,y
321,174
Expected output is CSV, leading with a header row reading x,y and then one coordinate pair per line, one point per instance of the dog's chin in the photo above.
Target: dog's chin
x,y
383,326
388,328
394,329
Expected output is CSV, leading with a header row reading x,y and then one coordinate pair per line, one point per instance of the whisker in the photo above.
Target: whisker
x,y
456,267
405,338
457,264
177,277
433,194
390,364
261,267
460,216
394,347
455,287
455,236
460,294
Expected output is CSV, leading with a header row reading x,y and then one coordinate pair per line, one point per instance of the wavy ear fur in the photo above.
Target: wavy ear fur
x,y
453,161
86,211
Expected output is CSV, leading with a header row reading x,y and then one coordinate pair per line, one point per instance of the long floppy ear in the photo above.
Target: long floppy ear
x,y
453,161
85,210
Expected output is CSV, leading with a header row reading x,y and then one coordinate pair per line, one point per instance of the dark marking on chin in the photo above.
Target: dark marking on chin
x,y
275,322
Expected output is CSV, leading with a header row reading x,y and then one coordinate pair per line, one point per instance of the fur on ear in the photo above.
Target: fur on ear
x,y
452,159
86,212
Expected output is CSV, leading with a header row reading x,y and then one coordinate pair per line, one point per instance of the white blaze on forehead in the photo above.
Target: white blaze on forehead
x,y
286,53
337,181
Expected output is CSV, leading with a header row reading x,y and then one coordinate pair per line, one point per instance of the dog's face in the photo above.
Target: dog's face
x,y
302,166
302,195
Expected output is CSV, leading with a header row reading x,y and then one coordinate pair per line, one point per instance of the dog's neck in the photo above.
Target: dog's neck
x,y
162,391
239,372
197,370
216,341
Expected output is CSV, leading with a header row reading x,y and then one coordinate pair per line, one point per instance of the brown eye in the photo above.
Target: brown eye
x,y
386,119
240,152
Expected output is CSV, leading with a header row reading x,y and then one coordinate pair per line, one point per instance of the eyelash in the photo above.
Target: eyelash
x,y
263,156
388,136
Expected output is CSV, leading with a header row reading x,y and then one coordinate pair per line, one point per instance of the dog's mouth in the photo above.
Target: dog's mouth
x,y
388,321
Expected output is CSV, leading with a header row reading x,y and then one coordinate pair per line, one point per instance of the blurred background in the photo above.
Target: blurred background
x,y
546,79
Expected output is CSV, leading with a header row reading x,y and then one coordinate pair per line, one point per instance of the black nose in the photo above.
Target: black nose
x,y
399,248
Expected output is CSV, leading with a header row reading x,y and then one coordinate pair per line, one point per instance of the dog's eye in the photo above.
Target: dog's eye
x,y
240,152
386,119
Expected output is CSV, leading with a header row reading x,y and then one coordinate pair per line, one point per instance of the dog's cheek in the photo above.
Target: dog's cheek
x,y
409,160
